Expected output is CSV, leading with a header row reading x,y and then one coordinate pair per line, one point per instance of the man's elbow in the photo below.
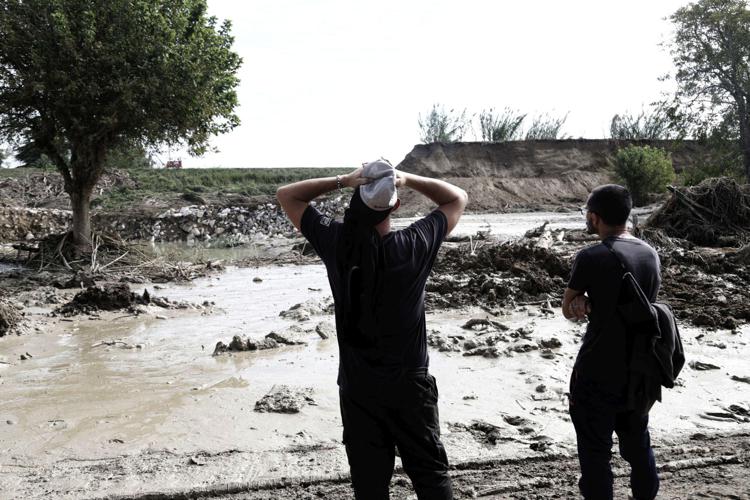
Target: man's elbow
x,y
281,193
463,198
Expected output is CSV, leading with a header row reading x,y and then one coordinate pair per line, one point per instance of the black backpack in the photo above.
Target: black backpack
x,y
655,354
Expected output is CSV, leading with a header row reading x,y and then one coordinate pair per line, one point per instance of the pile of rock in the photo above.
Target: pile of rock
x,y
10,317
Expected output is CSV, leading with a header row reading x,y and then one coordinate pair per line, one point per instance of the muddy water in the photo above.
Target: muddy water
x,y
515,225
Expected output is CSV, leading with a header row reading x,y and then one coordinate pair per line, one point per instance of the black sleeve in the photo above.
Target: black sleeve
x,y
319,231
580,275
430,231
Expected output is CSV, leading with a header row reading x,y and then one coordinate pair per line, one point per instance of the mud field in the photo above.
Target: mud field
x,y
223,385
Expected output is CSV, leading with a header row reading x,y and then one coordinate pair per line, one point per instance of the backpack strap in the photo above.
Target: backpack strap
x,y
608,244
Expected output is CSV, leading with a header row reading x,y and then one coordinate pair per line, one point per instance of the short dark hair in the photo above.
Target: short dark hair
x,y
612,203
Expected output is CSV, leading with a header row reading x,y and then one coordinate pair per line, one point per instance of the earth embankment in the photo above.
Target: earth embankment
x,y
528,175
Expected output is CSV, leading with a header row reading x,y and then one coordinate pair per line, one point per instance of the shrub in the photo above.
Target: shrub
x,y
443,126
502,126
546,127
644,170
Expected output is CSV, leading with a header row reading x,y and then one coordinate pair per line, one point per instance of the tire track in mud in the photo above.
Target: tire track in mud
x,y
709,466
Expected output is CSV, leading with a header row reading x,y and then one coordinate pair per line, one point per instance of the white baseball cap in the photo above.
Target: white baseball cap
x,y
380,194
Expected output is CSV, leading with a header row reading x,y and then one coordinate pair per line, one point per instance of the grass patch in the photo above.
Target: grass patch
x,y
205,182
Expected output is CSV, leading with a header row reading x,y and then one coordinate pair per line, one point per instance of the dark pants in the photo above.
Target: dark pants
x,y
596,414
404,415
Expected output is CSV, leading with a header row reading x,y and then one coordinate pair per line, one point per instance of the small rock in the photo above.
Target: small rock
x,y
737,378
325,329
541,388
702,366
552,343
257,280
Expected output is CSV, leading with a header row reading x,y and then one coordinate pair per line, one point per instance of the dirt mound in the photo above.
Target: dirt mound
x,y
714,213
114,297
497,275
10,317
285,399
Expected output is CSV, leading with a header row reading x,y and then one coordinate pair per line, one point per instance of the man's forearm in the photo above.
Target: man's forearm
x,y
438,191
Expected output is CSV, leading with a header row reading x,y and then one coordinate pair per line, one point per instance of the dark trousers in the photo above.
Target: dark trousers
x,y
404,414
596,414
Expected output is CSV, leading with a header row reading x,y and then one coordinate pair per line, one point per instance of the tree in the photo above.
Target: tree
x,y
81,78
443,126
711,51
644,170
502,126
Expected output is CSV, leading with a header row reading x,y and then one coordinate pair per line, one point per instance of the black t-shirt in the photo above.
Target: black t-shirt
x,y
408,257
603,354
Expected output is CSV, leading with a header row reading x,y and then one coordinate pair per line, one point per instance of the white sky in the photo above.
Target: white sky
x,y
333,83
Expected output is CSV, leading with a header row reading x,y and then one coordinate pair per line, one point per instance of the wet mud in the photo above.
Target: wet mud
x,y
110,405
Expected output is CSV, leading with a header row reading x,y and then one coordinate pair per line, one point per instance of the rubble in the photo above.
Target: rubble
x,y
285,399
498,275
305,310
240,344
10,317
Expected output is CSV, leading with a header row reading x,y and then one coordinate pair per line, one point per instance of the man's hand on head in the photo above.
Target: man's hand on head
x,y
355,179
400,179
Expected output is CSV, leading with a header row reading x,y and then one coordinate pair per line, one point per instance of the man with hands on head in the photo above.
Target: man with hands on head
x,y
599,402
377,276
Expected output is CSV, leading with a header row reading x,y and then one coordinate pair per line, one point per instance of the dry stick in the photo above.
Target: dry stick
x,y
102,268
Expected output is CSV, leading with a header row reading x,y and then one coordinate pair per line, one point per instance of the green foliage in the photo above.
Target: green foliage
x,y
129,156
82,78
644,170
711,52
443,126
546,127
652,125
502,126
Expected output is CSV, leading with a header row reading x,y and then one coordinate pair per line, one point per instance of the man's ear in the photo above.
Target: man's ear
x,y
398,204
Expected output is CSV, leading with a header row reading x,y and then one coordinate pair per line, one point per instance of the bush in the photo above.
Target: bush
x,y
502,126
546,127
644,170
443,126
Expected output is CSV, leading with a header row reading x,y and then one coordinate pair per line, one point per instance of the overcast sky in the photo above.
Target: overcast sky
x,y
333,83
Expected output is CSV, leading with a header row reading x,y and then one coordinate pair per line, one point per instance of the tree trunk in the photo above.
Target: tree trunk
x,y
745,145
79,201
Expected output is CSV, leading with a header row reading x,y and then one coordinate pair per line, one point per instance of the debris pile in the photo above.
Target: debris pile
x,y
498,275
10,317
716,212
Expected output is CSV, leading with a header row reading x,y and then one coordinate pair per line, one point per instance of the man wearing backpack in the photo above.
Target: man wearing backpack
x,y
599,392
377,276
